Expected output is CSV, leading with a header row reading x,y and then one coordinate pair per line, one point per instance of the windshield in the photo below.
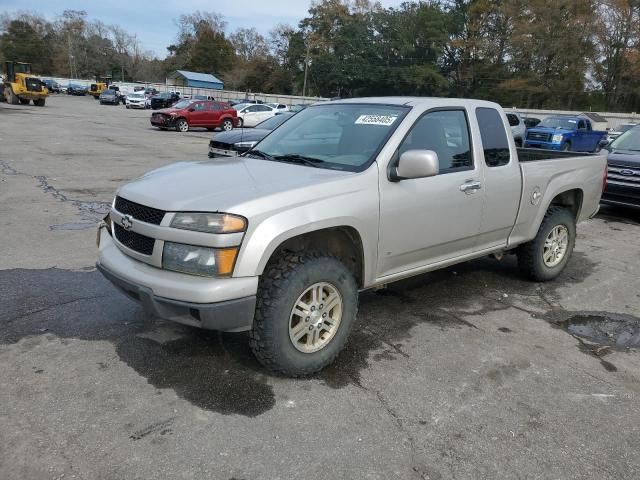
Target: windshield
x,y
274,122
559,122
183,104
240,106
334,136
136,95
629,140
109,92
625,126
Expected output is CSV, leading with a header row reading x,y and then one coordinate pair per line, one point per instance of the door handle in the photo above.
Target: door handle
x,y
470,186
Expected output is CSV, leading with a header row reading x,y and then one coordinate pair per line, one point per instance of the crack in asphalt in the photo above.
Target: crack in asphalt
x,y
91,211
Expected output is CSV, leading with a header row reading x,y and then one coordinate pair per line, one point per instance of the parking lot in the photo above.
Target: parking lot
x,y
469,372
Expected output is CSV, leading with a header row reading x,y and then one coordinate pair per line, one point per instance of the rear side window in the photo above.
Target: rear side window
x,y
494,137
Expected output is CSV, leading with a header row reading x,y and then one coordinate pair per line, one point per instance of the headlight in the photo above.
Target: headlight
x,y
557,139
244,145
173,114
201,261
209,222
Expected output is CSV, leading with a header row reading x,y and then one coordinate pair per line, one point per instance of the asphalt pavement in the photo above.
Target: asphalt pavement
x,y
466,373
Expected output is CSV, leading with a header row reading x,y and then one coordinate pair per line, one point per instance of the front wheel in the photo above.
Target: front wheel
x,y
40,102
306,306
566,147
240,122
182,125
227,125
545,257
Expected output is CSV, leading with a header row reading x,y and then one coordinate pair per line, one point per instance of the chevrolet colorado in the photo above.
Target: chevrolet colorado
x,y
347,195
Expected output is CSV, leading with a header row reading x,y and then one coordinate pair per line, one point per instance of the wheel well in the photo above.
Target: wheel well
x,y
342,242
571,200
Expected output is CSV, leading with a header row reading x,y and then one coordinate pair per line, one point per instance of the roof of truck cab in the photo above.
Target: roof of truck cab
x,y
414,101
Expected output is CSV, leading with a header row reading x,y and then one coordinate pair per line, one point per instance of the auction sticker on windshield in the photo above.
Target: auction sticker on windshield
x,y
384,120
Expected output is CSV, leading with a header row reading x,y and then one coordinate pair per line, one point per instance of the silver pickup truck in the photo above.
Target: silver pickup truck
x,y
345,196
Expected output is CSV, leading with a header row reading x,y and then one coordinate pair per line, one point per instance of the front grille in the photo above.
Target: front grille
x,y
621,173
33,84
139,212
134,241
539,137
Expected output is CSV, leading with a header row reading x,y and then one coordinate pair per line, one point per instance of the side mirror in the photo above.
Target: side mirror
x,y
192,109
416,164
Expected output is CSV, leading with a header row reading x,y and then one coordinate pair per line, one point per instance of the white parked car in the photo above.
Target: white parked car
x,y
251,114
137,100
280,107
619,130
518,128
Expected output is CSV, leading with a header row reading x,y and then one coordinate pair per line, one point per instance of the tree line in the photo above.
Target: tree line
x,y
567,54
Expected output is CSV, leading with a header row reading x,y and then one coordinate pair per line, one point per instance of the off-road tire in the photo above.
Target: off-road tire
x,y
23,101
282,282
530,254
11,97
40,102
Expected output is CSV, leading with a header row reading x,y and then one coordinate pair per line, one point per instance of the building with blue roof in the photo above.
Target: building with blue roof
x,y
183,78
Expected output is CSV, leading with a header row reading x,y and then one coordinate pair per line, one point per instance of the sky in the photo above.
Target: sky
x,y
153,22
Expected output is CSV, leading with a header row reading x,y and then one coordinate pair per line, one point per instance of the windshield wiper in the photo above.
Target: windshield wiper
x,y
299,159
261,154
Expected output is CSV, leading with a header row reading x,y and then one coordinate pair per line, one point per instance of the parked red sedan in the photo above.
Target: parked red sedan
x,y
196,113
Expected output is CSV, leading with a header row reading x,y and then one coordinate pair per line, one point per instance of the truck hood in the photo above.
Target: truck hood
x,y
226,184
625,158
553,131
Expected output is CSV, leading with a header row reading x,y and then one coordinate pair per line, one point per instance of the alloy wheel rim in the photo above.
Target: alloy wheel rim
x,y
183,126
555,246
315,317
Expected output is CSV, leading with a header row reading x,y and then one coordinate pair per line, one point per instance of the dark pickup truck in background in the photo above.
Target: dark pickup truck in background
x,y
623,166
563,132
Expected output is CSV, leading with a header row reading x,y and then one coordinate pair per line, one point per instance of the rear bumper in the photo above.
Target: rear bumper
x,y
225,304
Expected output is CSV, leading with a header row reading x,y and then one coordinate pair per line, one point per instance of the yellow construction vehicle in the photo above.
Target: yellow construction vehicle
x,y
102,84
20,86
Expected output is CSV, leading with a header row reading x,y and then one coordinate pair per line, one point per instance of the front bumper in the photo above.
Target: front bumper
x,y
225,304
163,121
622,195
544,145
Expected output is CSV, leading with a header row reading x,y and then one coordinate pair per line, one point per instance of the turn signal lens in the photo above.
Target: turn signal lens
x,y
201,261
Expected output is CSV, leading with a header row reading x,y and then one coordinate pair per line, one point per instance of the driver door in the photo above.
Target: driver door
x,y
426,221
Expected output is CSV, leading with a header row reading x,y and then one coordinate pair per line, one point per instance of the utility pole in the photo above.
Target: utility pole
x,y
306,71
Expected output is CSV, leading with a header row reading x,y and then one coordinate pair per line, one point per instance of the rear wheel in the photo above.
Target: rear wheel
x,y
39,102
182,125
305,308
11,97
227,125
24,101
546,256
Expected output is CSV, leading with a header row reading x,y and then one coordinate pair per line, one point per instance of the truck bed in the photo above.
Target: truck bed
x,y
534,154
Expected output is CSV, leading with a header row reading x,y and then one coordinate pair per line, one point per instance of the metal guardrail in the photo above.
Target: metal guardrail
x,y
222,95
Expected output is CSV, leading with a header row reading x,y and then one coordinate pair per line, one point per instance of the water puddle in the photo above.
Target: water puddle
x,y
605,329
